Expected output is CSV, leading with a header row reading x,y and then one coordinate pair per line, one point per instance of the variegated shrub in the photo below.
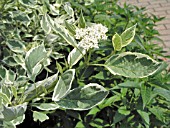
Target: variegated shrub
x,y
25,60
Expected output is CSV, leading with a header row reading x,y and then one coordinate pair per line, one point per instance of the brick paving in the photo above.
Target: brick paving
x,y
161,8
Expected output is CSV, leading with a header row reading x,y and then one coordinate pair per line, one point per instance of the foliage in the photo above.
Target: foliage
x,y
47,77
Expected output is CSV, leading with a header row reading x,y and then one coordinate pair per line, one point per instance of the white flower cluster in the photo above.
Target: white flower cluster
x,y
91,35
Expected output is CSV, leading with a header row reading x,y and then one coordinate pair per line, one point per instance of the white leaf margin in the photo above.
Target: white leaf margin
x,y
58,97
72,53
138,55
86,86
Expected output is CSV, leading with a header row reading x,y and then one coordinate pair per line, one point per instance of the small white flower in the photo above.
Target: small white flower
x,y
91,35
80,33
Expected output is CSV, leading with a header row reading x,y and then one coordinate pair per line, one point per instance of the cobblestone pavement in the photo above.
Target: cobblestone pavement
x,y
160,8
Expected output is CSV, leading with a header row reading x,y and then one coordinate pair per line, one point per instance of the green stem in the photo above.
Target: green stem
x,y
89,57
105,58
96,65
126,24
83,73
86,64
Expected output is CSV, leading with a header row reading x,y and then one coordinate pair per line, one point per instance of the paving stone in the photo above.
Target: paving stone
x,y
165,32
154,6
162,8
143,4
168,44
160,27
156,1
165,21
165,4
161,13
168,16
165,37
167,26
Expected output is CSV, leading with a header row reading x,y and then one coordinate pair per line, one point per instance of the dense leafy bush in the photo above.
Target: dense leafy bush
x,y
54,73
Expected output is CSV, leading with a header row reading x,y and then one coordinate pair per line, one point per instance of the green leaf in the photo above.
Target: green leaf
x,y
109,101
18,120
10,61
53,10
30,3
75,55
46,106
128,35
39,116
7,124
21,17
80,125
19,60
123,110
10,77
84,98
58,29
45,26
46,6
102,75
33,60
5,98
93,111
70,27
21,80
11,113
82,22
49,20
117,42
145,116
59,67
7,91
158,112
2,72
57,55
14,91
40,87
69,10
118,117
104,18
130,84
162,92
97,123
162,67
133,65
63,86
74,114
146,93
16,46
